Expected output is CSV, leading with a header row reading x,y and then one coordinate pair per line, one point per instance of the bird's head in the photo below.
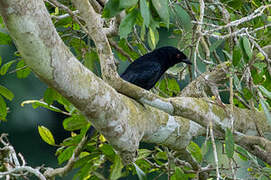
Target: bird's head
x,y
174,55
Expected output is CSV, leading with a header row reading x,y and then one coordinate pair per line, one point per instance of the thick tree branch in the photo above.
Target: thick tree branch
x,y
122,120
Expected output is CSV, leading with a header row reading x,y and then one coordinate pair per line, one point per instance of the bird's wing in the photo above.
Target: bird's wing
x,y
144,74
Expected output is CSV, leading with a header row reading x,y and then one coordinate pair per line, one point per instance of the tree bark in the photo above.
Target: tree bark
x,y
122,120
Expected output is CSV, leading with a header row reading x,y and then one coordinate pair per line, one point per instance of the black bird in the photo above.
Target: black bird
x,y
147,69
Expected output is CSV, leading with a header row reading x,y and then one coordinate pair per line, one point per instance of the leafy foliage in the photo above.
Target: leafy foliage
x,y
149,24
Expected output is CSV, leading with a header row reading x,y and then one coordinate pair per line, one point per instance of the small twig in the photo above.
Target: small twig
x,y
61,171
214,150
63,16
119,49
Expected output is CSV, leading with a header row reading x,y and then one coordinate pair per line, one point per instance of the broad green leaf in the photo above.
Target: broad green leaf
x,y
85,159
127,24
143,153
153,37
246,47
266,111
127,3
161,7
228,56
123,44
22,71
265,92
46,135
108,151
65,155
229,143
50,95
3,108
145,12
247,94
195,151
0,60
141,175
216,44
242,153
183,17
237,55
260,56
84,172
161,155
75,122
111,9
173,86
6,93
5,67
178,174
116,168
236,4
5,39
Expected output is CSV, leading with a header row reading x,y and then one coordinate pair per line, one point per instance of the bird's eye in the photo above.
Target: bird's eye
x,y
178,56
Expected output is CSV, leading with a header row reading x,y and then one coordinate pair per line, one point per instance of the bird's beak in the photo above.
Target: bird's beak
x,y
187,61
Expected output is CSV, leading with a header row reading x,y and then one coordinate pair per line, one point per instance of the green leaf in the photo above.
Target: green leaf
x,y
145,12
127,24
127,3
123,44
0,60
242,153
6,93
111,9
237,83
183,17
5,67
116,168
65,155
246,47
5,39
229,143
247,94
237,55
216,44
3,108
50,95
108,151
143,153
75,122
46,135
141,175
195,151
256,76
161,155
153,37
22,70
266,110
161,7
178,174
265,92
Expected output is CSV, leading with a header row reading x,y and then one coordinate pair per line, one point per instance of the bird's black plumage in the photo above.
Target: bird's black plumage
x,y
147,70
